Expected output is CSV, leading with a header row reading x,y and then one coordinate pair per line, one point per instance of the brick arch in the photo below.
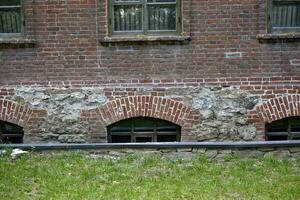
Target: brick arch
x,y
279,108
146,106
14,113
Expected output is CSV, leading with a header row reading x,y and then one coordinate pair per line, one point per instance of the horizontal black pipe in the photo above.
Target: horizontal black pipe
x,y
165,145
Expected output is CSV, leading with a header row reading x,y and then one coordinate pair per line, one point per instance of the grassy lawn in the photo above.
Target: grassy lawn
x,y
75,175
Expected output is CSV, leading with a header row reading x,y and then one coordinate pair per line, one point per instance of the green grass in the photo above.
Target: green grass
x,y
77,176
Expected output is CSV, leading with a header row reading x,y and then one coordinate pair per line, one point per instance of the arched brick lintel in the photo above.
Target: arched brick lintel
x,y
279,108
146,106
14,113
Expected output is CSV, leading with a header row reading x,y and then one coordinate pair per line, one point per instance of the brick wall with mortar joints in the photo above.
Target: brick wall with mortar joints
x,y
68,53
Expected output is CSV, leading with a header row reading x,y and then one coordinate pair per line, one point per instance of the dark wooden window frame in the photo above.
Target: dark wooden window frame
x,y
279,30
10,134
16,35
288,133
153,135
145,31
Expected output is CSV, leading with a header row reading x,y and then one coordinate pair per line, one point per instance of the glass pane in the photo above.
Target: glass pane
x,y
162,17
127,0
10,2
166,138
161,1
295,124
120,127
10,20
11,128
144,125
12,140
164,126
128,18
278,126
143,139
277,138
286,14
120,139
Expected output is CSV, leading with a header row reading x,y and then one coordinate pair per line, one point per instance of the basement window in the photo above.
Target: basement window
x,y
284,16
10,133
143,130
11,18
284,129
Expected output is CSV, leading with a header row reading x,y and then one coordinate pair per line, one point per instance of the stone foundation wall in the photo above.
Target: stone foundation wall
x,y
204,113
279,153
81,114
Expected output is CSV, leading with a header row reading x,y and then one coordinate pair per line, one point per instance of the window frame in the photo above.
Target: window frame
x,y
22,25
289,134
153,135
145,31
278,30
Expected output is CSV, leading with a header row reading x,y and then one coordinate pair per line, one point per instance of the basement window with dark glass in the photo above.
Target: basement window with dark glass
x,y
10,133
143,129
284,129
11,18
284,16
146,17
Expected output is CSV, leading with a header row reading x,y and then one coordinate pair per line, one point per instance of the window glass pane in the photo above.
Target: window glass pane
x,y
10,128
164,126
127,18
160,1
120,138
286,14
12,140
166,138
10,2
278,126
277,138
10,20
127,0
122,126
295,124
162,17
144,125
143,139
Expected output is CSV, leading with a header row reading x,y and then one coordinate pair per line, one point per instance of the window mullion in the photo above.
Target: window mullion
x,y
289,130
145,17
132,132
155,132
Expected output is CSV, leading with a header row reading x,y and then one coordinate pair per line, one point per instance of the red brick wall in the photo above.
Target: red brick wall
x,y
223,51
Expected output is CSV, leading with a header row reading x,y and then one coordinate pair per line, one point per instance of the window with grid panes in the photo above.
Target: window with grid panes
x,y
11,19
283,16
284,129
149,17
10,133
143,130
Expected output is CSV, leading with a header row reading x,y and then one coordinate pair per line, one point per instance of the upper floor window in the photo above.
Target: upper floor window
x,y
284,129
148,17
10,133
284,16
11,19
143,130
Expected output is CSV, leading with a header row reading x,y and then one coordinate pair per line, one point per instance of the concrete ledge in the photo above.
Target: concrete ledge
x,y
171,145
13,43
283,37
